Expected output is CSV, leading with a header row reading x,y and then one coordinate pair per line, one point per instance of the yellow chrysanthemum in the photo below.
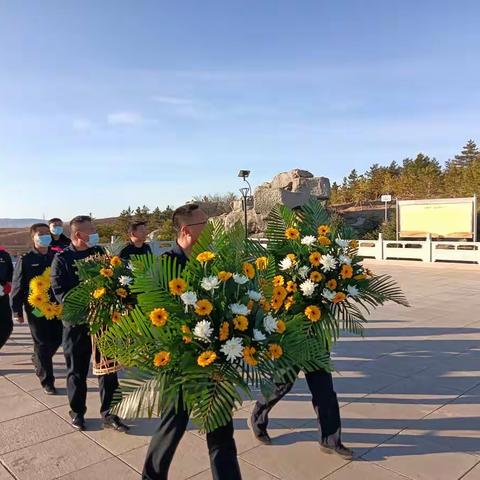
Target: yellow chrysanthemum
x,y
314,258
48,311
249,270
159,317
46,273
291,286
37,299
264,304
58,310
261,263
116,316
339,297
187,334
224,332
332,284
325,241
280,293
276,303
316,276
289,301
203,308
99,292
39,284
206,358
224,276
292,233
121,292
323,230
162,358
106,272
312,312
281,326
278,281
346,271
250,304
353,244
115,261
292,257
206,256
248,356
177,286
275,350
240,322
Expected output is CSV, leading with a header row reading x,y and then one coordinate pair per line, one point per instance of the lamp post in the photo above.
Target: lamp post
x,y
246,197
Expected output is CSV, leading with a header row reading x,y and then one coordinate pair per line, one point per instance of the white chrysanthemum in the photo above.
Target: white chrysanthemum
x,y
189,298
232,349
270,324
308,287
352,290
125,280
303,271
130,266
342,243
345,259
308,240
328,263
210,283
240,279
286,263
254,295
239,309
203,330
328,294
258,336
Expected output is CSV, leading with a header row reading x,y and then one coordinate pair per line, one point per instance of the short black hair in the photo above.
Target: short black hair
x,y
79,219
183,214
134,225
55,219
36,227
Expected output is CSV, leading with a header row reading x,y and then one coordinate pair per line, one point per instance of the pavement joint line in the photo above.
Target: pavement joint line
x,y
261,469
469,470
7,469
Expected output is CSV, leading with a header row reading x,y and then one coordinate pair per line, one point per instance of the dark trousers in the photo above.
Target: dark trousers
x,y
6,322
324,400
173,424
47,337
77,347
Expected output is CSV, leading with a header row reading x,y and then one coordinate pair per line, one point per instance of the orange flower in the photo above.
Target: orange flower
x,y
240,322
121,292
353,244
248,356
346,271
224,331
261,263
224,276
315,258
106,272
161,358
187,334
278,281
249,270
203,308
275,350
159,317
292,257
291,286
281,327
206,358
250,304
264,304
289,302
276,303
316,276
339,297
292,233
325,241
115,261
177,286
323,230
332,284
205,257
116,317
280,293
312,312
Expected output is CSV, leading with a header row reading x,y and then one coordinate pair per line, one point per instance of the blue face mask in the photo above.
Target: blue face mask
x,y
93,239
56,230
44,240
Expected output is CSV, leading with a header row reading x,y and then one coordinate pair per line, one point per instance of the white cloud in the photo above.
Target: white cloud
x,y
124,118
168,100
82,125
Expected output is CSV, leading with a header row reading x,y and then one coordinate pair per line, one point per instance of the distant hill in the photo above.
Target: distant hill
x,y
18,222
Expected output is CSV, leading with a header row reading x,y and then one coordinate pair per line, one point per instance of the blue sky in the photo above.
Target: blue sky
x,y
105,104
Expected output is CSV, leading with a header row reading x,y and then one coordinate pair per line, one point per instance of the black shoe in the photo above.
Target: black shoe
x,y
112,421
50,390
338,447
78,422
261,435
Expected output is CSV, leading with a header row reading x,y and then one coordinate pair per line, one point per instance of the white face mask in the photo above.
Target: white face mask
x,y
93,240
56,229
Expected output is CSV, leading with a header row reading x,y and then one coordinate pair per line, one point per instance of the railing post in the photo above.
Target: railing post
x,y
380,243
427,256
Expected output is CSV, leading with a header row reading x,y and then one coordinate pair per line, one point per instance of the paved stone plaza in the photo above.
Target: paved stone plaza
x,y
409,394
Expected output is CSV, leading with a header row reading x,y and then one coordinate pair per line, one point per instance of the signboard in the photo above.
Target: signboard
x,y
386,198
447,218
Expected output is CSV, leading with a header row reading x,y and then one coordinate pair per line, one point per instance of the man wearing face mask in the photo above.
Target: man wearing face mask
x,y
59,239
6,272
77,345
46,334
189,221
137,231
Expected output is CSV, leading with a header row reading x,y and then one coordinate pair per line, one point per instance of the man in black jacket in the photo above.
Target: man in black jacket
x,y
6,272
137,231
59,239
46,334
77,345
189,221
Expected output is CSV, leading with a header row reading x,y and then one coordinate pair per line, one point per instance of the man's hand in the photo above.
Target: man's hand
x,y
19,319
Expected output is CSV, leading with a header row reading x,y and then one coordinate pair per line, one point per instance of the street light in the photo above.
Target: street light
x,y
246,193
